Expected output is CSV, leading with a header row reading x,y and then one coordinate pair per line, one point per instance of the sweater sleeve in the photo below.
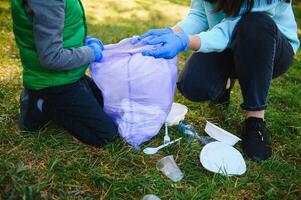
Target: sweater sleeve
x,y
218,38
48,24
196,21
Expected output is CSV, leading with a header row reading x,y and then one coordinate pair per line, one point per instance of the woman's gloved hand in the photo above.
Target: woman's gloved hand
x,y
90,40
154,33
171,45
97,51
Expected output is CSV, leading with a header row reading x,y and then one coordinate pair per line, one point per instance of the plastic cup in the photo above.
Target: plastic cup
x,y
169,168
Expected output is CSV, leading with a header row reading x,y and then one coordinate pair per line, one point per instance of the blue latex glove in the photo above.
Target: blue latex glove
x,y
97,51
154,33
90,40
171,45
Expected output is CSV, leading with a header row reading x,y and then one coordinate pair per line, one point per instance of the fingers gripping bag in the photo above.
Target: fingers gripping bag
x,y
138,90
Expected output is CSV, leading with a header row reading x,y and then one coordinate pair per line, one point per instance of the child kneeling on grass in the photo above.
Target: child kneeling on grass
x,y
55,52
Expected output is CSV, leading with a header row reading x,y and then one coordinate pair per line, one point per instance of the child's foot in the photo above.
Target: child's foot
x,y
31,117
256,142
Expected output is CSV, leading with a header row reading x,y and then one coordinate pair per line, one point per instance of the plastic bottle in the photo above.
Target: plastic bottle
x,y
190,132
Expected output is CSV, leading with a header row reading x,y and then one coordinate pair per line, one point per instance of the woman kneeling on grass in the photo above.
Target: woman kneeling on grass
x,y
249,40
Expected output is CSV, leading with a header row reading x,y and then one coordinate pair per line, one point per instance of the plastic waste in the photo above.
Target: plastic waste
x,y
169,168
151,197
190,132
154,150
221,134
166,138
221,158
177,114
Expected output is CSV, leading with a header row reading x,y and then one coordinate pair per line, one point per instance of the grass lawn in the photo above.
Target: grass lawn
x,y
53,165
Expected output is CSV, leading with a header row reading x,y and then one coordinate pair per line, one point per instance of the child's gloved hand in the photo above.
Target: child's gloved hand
x,y
153,33
171,45
90,40
97,51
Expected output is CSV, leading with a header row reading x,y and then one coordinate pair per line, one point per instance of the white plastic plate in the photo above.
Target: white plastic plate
x,y
221,134
223,159
177,114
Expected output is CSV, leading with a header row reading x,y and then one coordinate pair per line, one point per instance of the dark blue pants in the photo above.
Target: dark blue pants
x,y
78,109
258,53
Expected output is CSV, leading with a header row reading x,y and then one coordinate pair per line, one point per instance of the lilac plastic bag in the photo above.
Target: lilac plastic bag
x,y
138,91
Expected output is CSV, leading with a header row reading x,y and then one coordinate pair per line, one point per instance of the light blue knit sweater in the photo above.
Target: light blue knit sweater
x,y
215,30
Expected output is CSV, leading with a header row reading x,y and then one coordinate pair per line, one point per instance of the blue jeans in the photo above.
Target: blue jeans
x,y
258,53
77,108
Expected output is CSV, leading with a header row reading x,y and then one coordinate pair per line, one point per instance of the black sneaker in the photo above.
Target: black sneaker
x,y
256,142
224,97
31,119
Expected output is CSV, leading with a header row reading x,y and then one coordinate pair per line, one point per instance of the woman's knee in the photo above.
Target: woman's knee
x,y
202,77
197,91
254,25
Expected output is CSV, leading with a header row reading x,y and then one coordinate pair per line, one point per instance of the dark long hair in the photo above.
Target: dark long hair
x,y
232,7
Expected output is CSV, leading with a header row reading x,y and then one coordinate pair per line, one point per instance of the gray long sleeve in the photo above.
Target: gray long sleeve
x,y
48,24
